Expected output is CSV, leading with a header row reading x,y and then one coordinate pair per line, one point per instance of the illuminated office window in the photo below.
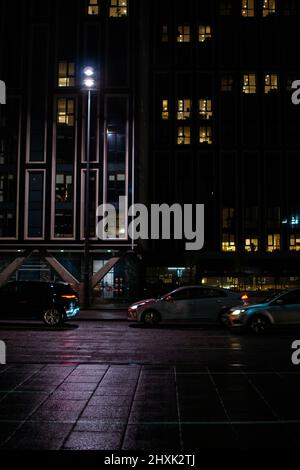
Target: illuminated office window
x,y
93,7
184,135
183,109
227,217
227,83
273,242
204,33
205,109
248,8
7,187
118,8
271,83
165,110
249,83
251,244
295,242
226,7
183,33
66,74
269,7
228,242
65,112
205,135
164,35
64,188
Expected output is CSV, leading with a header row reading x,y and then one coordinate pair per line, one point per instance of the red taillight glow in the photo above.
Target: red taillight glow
x,y
71,296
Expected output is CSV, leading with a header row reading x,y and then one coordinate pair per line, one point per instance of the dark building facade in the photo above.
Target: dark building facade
x,y
193,105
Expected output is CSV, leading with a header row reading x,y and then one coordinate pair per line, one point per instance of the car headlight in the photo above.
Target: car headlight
x,y
236,313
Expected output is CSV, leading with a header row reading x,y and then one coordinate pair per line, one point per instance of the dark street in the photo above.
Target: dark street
x,y
109,385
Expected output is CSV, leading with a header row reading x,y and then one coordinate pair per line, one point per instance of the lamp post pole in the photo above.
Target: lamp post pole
x,y
87,209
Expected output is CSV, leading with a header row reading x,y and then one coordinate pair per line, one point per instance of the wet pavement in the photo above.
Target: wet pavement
x,y
109,385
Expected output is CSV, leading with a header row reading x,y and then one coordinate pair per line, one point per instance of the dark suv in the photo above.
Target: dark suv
x,y
52,302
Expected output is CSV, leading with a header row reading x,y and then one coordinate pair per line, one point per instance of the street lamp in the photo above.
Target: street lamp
x,y
89,84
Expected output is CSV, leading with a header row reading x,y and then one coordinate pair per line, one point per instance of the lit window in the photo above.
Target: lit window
x,y
227,83
228,242
65,111
226,7
7,187
289,7
271,83
269,7
64,188
204,33
93,7
247,8
165,110
249,83
205,135
205,109
273,242
251,244
183,33
66,74
183,109
295,242
165,35
184,135
118,8
227,217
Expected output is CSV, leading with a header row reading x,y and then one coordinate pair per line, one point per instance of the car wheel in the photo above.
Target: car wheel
x,y
259,324
151,318
53,317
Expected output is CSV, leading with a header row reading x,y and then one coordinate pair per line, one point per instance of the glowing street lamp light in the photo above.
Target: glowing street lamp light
x,y
88,84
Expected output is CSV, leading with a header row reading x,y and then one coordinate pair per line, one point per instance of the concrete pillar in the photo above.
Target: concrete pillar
x,y
9,270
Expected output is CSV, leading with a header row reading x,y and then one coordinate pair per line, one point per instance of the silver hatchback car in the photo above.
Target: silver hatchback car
x,y
192,303
279,309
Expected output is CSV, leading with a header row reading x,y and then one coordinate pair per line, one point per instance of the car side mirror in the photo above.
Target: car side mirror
x,y
168,299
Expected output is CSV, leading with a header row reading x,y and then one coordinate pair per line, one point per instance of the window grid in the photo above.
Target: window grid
x,y
249,84
184,135
65,112
205,135
165,110
271,83
118,8
183,33
273,242
269,7
248,8
228,242
184,109
204,33
66,74
205,108
93,8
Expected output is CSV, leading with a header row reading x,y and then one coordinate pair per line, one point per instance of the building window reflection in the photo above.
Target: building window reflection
x,y
65,112
205,108
165,110
183,109
228,242
93,8
271,83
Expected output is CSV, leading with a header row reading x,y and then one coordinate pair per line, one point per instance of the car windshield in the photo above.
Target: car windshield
x,y
273,296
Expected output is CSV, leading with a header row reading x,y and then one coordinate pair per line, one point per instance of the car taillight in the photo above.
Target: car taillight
x,y
69,296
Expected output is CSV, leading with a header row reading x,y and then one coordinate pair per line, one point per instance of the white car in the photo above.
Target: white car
x,y
191,303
